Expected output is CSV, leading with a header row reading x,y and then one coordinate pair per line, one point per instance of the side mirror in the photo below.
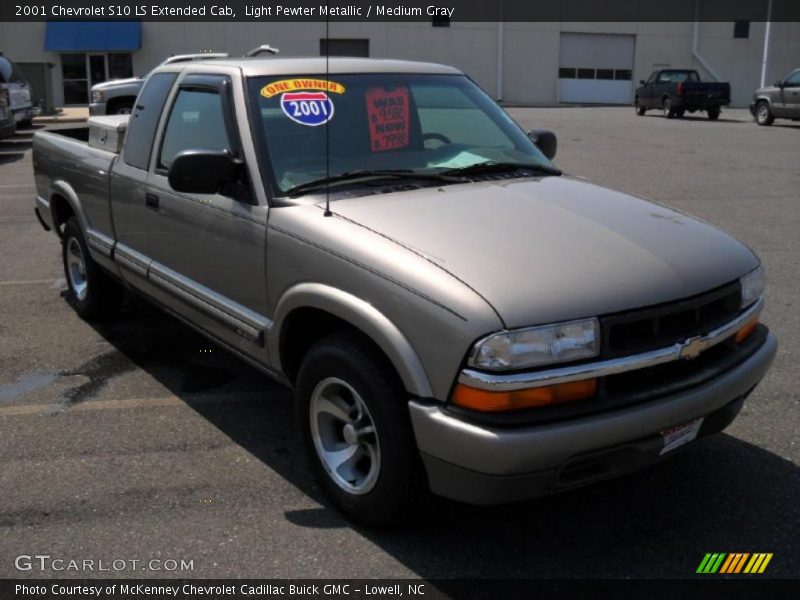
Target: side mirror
x,y
545,141
779,84
642,82
202,171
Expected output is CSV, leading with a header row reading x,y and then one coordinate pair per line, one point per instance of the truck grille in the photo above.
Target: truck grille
x,y
658,326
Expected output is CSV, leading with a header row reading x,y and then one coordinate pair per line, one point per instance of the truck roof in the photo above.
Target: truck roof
x,y
265,66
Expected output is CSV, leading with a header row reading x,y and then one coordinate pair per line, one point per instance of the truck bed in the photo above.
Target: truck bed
x,y
66,166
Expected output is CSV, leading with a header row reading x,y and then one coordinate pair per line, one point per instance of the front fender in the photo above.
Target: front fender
x,y
360,314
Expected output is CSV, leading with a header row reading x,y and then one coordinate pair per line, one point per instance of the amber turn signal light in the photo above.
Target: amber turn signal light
x,y
486,401
745,331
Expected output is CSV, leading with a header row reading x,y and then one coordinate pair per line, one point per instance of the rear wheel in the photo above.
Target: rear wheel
x,y
640,110
713,114
666,107
92,292
764,115
353,413
680,112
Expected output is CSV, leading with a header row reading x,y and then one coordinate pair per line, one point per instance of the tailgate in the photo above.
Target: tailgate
x,y
714,90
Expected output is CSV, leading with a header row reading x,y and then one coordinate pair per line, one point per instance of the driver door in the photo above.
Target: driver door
x,y
208,250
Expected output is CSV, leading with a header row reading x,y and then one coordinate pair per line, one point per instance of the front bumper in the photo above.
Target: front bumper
x,y
25,114
7,128
490,465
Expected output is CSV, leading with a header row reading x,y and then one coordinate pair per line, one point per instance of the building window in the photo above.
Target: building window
x,y
75,77
343,47
443,21
567,73
623,74
585,73
741,29
605,73
120,65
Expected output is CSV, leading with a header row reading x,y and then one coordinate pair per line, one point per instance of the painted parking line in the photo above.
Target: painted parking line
x,y
102,405
29,282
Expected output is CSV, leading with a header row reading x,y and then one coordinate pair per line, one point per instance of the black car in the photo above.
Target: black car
x,y
676,91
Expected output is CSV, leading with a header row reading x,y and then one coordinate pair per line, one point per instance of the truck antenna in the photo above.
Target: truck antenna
x,y
327,212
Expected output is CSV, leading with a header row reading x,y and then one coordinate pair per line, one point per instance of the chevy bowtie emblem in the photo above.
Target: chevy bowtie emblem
x,y
693,347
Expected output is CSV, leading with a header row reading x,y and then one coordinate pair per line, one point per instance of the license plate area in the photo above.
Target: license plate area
x,y
675,437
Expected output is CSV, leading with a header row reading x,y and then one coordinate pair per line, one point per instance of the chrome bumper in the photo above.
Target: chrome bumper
x,y
498,382
484,456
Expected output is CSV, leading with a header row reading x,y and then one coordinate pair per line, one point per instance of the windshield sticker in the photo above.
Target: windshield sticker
x,y
296,85
389,122
307,108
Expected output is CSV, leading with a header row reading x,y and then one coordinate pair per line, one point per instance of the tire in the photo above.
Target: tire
x,y
763,114
640,110
680,112
713,114
666,107
349,400
122,107
92,293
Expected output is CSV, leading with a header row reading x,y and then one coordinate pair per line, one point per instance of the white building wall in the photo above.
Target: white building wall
x,y
530,51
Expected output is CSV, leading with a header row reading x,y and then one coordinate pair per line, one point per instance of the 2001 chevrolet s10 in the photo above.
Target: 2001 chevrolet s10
x,y
452,312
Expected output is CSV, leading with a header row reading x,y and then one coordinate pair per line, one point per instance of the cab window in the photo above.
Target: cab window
x,y
196,122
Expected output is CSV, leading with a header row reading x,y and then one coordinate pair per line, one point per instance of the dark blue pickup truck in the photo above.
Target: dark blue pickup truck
x,y
676,91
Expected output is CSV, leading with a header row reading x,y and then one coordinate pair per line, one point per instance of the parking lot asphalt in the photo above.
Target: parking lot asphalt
x,y
138,439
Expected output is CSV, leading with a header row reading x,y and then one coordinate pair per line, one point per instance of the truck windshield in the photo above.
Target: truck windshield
x,y
314,128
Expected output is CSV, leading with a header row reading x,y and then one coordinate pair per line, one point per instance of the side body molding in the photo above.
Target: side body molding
x,y
361,314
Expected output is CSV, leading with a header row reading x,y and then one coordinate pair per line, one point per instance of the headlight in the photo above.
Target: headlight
x,y
98,96
753,285
536,346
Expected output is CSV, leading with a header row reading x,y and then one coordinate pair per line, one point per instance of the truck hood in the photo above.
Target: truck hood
x,y
106,85
555,248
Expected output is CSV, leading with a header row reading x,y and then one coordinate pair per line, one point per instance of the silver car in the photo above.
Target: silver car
x,y
116,97
454,313
779,101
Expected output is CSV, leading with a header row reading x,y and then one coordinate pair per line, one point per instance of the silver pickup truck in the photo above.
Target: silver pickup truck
x,y
453,312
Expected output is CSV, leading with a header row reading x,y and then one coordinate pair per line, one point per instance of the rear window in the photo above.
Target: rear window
x,y
10,73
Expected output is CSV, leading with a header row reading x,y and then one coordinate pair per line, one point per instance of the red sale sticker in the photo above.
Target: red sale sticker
x,y
388,114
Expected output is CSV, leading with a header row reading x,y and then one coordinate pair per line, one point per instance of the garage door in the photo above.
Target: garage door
x,y
596,68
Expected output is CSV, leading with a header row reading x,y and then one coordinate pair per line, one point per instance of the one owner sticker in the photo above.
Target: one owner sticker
x,y
307,108
388,115
305,101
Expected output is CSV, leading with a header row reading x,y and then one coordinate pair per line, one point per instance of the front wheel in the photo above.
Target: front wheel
x,y
92,292
764,114
713,114
353,414
640,110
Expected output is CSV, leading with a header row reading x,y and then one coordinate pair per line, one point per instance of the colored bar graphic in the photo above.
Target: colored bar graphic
x,y
711,562
734,562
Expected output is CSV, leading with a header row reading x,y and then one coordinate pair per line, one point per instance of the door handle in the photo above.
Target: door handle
x,y
151,201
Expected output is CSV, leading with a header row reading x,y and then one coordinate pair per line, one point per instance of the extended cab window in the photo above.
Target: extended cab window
x,y
144,120
196,122
793,80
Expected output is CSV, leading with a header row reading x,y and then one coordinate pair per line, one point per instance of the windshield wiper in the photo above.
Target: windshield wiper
x,y
500,167
372,174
